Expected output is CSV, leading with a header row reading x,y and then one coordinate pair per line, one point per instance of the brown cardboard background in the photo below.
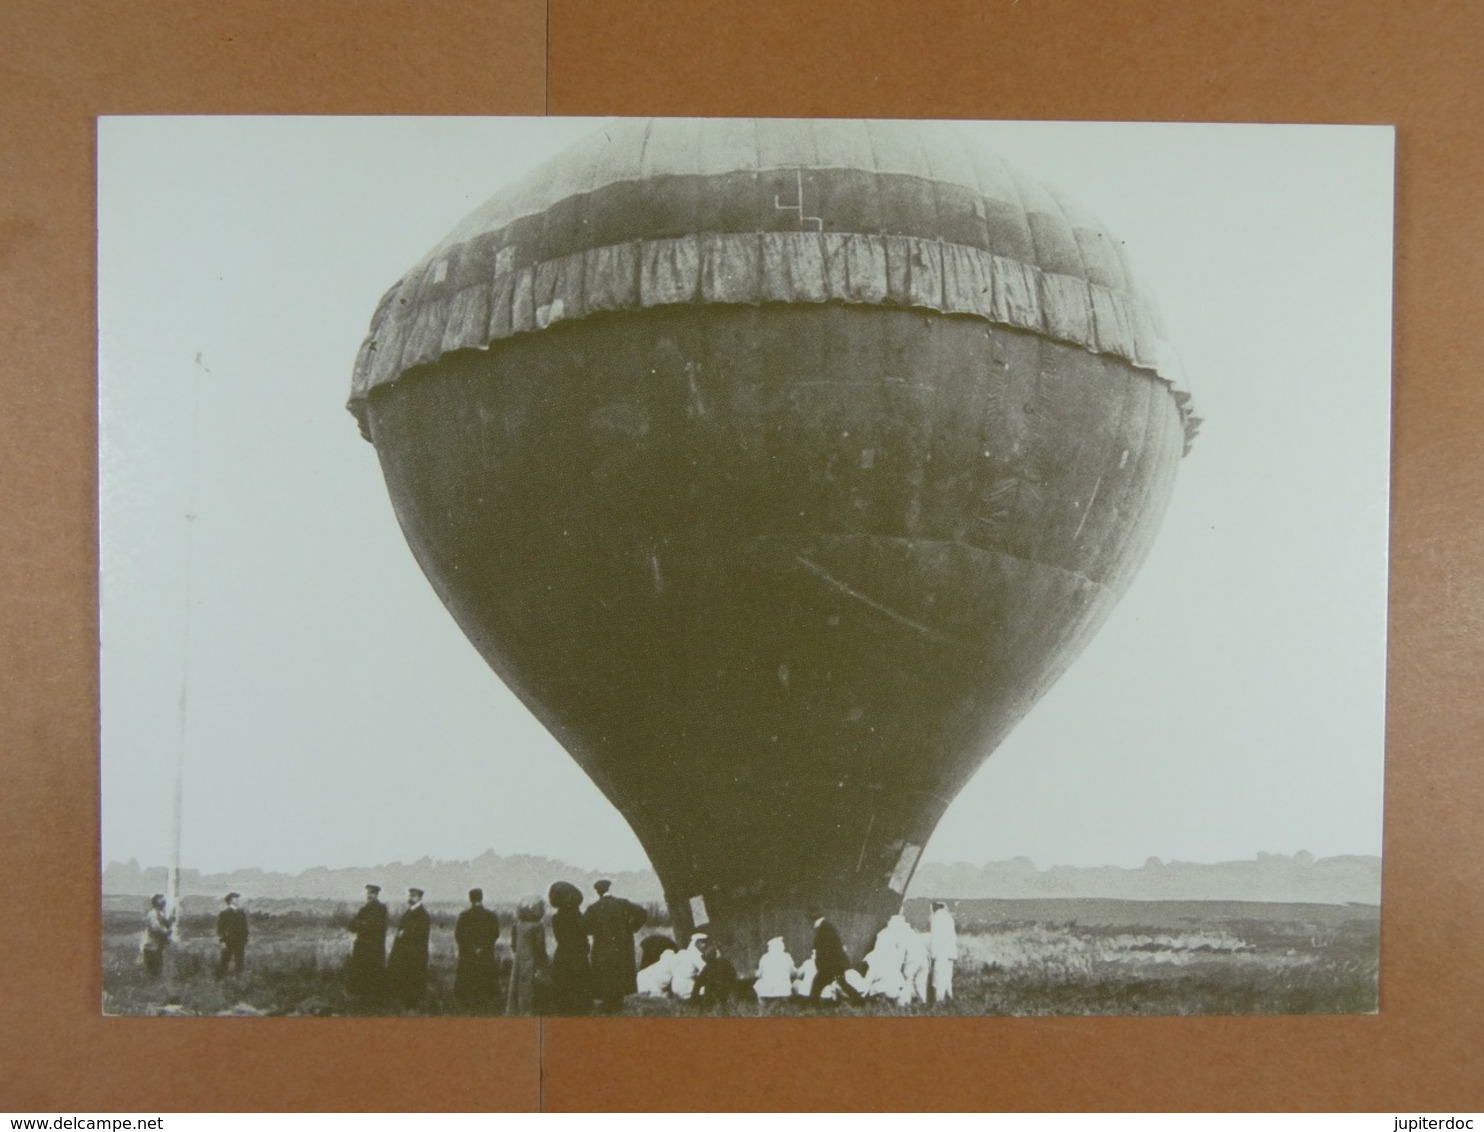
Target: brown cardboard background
x,y
65,63
1416,65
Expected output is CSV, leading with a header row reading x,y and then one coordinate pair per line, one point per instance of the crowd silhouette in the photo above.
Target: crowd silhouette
x,y
592,965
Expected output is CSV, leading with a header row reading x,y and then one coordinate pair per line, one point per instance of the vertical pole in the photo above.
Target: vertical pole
x,y
178,809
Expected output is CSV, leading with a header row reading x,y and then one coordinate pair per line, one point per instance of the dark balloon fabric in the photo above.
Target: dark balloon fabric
x,y
780,557
677,211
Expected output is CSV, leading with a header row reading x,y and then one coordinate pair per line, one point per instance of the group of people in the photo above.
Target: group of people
x,y
592,961
372,973
697,973
904,966
159,932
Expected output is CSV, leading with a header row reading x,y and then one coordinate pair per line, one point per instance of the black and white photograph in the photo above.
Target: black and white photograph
x,y
741,567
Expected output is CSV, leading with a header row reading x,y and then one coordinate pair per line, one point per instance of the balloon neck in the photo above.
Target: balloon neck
x,y
742,928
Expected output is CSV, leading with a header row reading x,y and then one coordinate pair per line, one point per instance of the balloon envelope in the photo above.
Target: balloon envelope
x,y
778,467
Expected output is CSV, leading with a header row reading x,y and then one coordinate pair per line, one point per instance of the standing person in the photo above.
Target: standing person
x,y
474,934
571,972
943,947
830,960
529,973
407,969
231,935
611,922
365,974
159,926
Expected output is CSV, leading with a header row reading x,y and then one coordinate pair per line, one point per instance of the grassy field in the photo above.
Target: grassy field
x,y
1018,957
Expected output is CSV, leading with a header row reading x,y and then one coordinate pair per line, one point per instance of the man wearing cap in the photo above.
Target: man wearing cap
x,y
231,936
611,922
366,971
407,969
475,934
943,948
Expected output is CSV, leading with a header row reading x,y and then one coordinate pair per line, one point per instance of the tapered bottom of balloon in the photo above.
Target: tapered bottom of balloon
x,y
742,932
779,579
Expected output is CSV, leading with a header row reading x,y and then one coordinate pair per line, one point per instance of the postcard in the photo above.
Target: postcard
x,y
753,567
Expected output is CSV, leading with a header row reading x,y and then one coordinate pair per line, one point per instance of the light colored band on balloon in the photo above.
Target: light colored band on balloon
x,y
753,268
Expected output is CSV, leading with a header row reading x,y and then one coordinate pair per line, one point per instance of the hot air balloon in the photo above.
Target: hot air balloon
x,y
778,467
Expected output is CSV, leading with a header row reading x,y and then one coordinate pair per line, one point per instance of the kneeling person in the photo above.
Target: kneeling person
x,y
717,984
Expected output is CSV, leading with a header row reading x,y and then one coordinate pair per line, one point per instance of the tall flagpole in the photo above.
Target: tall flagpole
x,y
178,814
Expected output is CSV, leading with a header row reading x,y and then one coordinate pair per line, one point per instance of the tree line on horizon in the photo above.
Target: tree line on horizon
x,y
1297,878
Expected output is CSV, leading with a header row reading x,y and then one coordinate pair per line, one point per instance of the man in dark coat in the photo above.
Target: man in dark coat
x,y
611,922
474,934
830,960
365,973
407,969
717,984
231,935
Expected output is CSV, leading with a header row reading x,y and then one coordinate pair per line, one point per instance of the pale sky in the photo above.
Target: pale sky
x,y
335,715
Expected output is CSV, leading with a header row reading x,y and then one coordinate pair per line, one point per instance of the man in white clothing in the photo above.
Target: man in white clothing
x,y
687,965
884,965
914,960
775,972
943,947
805,981
655,980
